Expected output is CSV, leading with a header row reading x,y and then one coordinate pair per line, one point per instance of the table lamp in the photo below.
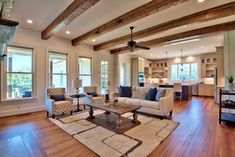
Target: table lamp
x,y
77,83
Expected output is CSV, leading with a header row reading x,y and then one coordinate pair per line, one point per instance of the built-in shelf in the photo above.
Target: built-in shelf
x,y
208,66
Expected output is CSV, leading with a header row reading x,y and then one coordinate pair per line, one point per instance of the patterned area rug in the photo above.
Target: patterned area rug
x,y
139,140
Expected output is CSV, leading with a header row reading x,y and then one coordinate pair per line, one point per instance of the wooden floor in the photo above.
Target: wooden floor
x,y
198,134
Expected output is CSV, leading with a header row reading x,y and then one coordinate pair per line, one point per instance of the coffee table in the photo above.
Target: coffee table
x,y
116,108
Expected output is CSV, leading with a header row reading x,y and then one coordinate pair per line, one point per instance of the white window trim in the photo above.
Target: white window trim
x,y
47,67
4,72
78,70
189,70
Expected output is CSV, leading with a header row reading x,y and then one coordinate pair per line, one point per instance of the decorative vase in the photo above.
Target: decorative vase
x,y
230,86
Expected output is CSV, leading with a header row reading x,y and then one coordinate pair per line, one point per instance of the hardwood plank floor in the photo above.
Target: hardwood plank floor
x,y
198,135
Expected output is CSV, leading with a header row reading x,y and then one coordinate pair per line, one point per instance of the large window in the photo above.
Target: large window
x,y
85,70
19,72
58,71
188,71
104,77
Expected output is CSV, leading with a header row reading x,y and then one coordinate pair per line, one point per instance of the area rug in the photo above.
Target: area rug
x,y
139,141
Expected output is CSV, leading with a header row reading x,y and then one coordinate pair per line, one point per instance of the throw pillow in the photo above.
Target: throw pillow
x,y
160,93
125,91
151,94
94,94
58,97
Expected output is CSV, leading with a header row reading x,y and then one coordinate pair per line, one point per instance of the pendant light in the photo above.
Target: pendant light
x,y
166,66
181,59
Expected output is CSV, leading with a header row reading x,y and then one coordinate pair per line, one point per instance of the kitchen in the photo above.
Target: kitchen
x,y
200,75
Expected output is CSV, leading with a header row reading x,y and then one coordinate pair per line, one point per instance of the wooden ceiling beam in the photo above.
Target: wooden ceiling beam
x,y
145,10
74,10
203,16
198,32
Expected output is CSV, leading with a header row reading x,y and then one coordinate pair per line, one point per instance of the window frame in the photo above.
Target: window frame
x,y
4,75
48,66
190,71
91,68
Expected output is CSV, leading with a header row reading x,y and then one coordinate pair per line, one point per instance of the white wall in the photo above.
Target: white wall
x,y
229,59
118,59
29,38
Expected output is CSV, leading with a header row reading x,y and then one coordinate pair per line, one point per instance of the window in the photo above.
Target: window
x,y
19,72
187,71
85,70
104,76
58,74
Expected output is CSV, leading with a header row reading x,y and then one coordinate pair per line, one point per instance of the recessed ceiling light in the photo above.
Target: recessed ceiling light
x,y
202,47
67,32
29,21
200,1
93,40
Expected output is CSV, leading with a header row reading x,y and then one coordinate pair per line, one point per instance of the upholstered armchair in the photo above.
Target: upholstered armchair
x,y
55,107
92,96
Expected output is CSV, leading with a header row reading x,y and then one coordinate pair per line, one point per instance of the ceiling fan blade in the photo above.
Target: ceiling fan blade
x,y
142,47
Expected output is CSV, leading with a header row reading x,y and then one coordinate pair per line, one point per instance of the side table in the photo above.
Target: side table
x,y
78,96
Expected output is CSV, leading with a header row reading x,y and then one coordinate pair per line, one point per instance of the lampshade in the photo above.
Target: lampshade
x,y
77,83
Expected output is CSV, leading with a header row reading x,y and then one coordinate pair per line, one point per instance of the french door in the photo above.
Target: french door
x,y
104,77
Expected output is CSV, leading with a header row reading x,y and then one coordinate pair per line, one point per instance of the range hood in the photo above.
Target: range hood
x,y
7,31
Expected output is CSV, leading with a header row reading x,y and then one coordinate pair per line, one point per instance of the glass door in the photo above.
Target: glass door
x,y
104,80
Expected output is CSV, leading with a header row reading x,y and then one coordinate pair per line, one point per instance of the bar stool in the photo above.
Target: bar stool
x,y
178,89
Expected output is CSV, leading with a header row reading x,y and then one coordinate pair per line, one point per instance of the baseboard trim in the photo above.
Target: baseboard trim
x,y
21,111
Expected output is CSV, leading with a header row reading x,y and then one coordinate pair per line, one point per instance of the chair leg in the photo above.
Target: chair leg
x,y
47,114
171,113
84,106
53,116
71,112
180,96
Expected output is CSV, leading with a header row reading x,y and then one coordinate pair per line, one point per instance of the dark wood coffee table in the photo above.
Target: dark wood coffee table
x,y
116,108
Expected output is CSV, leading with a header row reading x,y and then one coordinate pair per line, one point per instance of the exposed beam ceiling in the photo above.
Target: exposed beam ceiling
x,y
147,9
203,16
198,32
6,8
74,10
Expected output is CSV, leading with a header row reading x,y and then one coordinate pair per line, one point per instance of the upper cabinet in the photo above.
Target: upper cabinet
x,y
208,65
160,69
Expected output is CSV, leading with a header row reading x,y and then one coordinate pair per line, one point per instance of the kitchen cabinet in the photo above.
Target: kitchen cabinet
x,y
206,90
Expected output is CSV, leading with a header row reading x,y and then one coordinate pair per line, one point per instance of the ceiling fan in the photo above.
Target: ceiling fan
x,y
132,45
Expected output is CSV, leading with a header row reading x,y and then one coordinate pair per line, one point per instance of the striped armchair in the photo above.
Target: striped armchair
x,y
58,107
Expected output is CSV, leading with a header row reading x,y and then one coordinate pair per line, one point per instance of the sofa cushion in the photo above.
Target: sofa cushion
x,y
160,93
150,104
135,94
139,95
58,97
132,101
125,91
142,95
151,94
122,99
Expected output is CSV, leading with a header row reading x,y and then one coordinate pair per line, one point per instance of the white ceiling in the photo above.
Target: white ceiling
x,y
206,44
43,12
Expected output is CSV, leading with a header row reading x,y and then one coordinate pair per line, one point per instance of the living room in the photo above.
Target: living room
x,y
99,58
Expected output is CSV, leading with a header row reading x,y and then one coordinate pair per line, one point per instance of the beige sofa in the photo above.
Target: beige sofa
x,y
161,108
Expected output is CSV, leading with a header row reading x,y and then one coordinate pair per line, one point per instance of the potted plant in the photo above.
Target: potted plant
x,y
230,82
